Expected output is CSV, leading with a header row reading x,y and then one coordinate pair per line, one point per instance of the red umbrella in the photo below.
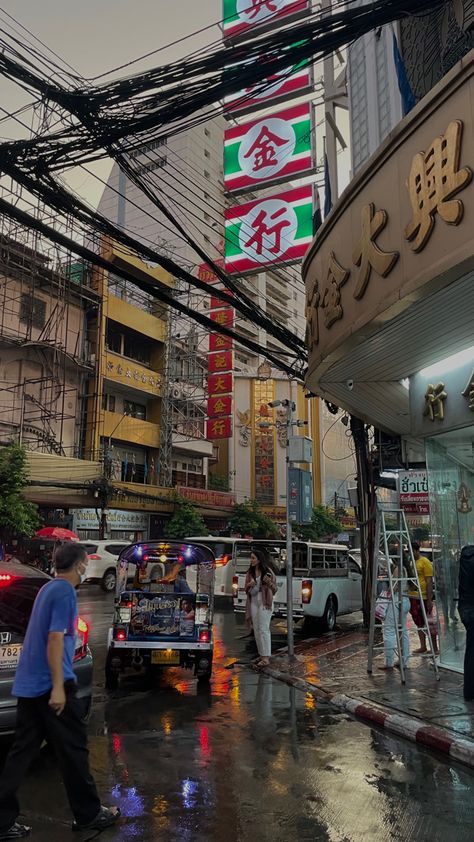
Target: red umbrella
x,y
58,533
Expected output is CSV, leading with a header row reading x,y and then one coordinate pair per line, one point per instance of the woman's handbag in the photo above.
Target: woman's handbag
x,y
382,604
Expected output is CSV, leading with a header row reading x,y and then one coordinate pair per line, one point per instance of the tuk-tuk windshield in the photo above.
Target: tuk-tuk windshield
x,y
166,568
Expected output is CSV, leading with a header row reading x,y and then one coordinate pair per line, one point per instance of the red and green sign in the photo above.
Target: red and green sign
x,y
240,17
291,81
269,231
275,147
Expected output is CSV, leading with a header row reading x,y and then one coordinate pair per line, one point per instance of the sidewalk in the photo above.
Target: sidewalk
x,y
424,710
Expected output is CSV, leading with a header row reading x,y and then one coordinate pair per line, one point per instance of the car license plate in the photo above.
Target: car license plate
x,y
165,656
9,656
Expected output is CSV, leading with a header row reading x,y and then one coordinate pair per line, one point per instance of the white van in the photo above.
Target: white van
x,y
233,556
326,582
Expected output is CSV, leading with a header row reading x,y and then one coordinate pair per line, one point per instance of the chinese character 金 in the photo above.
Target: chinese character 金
x,y
435,397
368,255
469,392
262,229
264,149
331,297
313,301
434,179
219,406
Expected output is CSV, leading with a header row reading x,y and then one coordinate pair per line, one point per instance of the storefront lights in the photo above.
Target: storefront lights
x,y
450,363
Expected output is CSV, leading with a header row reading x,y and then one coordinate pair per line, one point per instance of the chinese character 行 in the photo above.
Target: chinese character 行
x,y
434,179
218,427
367,254
262,229
435,397
331,297
264,149
469,392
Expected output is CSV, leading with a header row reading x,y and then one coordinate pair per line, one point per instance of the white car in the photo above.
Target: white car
x,y
102,567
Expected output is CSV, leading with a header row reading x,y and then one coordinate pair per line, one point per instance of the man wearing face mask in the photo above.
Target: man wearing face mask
x,y
48,708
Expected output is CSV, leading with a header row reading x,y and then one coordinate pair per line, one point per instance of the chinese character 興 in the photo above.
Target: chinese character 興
x,y
435,397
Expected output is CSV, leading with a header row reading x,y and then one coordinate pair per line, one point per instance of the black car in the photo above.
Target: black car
x,y
19,585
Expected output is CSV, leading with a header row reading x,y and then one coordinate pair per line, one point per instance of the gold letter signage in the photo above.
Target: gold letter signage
x,y
434,179
367,254
434,401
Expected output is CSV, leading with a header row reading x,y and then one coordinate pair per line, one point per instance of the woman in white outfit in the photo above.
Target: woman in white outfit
x,y
392,619
260,586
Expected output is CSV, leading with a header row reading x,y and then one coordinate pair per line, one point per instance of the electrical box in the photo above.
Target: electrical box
x,y
300,495
300,449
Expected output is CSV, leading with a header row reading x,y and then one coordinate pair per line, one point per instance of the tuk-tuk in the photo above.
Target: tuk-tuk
x,y
163,610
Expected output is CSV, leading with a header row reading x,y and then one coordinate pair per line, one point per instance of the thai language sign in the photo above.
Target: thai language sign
x,y
413,488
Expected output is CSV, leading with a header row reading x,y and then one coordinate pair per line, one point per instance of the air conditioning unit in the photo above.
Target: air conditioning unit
x,y
176,392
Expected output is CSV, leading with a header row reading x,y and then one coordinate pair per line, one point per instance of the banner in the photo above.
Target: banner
x,y
291,81
414,496
240,17
218,342
276,146
269,231
220,384
219,428
219,405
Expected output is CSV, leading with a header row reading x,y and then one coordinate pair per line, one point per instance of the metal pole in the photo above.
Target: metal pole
x,y
289,537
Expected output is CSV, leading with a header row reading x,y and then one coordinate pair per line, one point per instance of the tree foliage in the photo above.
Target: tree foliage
x,y
248,519
186,520
17,515
216,482
422,532
323,524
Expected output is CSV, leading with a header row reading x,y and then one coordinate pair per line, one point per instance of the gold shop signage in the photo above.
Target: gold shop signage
x,y
444,402
336,278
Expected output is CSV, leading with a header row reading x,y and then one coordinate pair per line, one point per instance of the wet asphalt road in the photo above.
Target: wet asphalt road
x,y
247,759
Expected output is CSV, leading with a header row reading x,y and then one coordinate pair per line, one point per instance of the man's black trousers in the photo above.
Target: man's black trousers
x,y
67,735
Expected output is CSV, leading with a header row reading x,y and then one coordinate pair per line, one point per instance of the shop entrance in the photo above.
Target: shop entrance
x,y
450,464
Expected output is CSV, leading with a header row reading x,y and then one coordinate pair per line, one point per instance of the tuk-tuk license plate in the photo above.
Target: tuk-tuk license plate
x,y
165,656
9,656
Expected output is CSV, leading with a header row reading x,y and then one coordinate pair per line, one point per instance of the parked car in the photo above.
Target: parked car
x,y
103,557
19,585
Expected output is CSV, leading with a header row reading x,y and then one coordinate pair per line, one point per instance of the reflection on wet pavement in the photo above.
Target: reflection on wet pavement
x,y
250,758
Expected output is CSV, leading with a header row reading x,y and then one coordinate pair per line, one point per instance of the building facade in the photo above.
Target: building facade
x,y
389,296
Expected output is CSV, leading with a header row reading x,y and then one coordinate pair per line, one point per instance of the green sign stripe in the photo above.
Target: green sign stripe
x,y
232,246
305,219
305,229
231,158
303,136
230,12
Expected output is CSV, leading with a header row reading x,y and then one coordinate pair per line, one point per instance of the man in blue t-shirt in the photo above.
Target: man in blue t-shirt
x,y
48,707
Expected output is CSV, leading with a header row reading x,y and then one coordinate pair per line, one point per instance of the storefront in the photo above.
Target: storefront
x,y
390,304
121,525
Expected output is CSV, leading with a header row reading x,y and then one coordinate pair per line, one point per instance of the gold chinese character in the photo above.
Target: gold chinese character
x,y
331,298
313,301
219,406
469,392
434,179
218,428
435,397
220,361
367,254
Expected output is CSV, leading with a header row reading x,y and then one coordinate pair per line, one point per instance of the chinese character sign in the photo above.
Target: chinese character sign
x,y
219,428
240,17
293,80
277,146
264,443
269,231
220,384
220,379
219,405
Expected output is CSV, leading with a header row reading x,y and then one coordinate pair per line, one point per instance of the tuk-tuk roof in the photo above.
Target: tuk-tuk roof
x,y
187,553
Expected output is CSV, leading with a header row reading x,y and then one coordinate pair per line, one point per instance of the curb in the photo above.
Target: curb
x,y
408,727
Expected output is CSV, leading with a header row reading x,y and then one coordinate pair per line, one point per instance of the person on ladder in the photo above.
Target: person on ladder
x,y
424,569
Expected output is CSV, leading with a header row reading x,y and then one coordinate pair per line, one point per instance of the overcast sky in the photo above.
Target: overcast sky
x,y
95,36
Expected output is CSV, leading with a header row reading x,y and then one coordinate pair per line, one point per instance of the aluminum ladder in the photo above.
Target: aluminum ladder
x,y
389,545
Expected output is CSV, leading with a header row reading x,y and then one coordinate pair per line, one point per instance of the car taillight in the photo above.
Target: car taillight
x,y
120,634
235,585
306,591
82,638
94,557
222,560
204,636
6,579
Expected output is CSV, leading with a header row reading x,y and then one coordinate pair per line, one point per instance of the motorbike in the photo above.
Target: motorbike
x,y
163,615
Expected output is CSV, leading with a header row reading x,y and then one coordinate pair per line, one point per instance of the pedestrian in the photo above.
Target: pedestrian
x,y
424,569
48,707
260,586
466,612
390,622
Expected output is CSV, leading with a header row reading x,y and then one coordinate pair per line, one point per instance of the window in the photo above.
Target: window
x,y
108,402
32,311
16,603
317,557
115,549
207,132
206,195
354,567
207,174
207,154
113,339
135,410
